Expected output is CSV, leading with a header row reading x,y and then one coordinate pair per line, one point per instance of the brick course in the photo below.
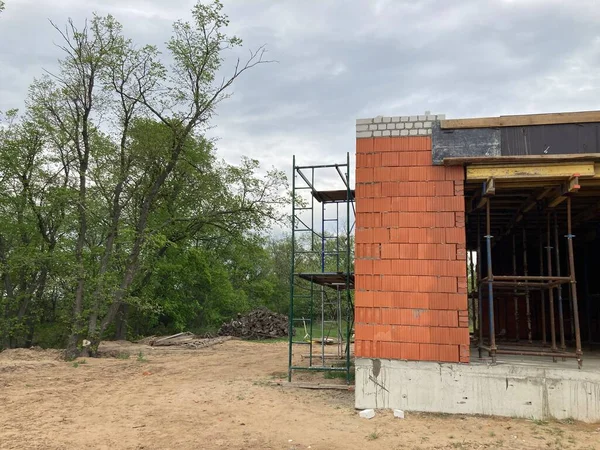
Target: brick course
x,y
410,267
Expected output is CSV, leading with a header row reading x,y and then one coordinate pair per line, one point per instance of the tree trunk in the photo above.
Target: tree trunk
x,y
72,350
121,323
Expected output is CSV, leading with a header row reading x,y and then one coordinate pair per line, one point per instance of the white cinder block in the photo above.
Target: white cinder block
x,y
427,124
386,133
404,133
363,121
381,126
422,132
391,126
364,134
372,127
367,413
395,132
396,119
376,133
404,119
399,413
418,124
362,127
408,125
377,119
412,132
400,126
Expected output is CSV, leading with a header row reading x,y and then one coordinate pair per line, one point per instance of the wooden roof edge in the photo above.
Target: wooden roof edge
x,y
522,120
468,160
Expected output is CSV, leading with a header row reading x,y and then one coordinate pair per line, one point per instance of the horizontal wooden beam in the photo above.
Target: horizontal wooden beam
x,y
523,120
520,159
570,187
529,171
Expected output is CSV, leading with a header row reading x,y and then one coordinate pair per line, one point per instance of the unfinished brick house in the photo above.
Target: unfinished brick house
x,y
438,198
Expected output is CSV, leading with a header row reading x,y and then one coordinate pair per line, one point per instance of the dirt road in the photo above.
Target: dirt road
x,y
220,398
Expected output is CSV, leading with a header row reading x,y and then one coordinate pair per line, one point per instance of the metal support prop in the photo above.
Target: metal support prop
x,y
525,269
561,318
488,238
474,307
550,292
515,298
570,237
479,296
588,303
543,293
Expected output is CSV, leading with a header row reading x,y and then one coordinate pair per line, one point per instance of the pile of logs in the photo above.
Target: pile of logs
x,y
186,340
257,324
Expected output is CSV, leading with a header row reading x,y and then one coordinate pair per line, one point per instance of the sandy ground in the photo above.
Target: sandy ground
x,y
221,398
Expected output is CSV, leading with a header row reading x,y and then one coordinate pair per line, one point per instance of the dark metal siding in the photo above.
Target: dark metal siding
x,y
561,139
550,139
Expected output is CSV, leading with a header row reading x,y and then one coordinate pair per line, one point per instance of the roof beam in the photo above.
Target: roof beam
x,y
570,187
550,171
523,120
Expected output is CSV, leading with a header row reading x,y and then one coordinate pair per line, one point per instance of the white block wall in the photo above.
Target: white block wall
x,y
396,125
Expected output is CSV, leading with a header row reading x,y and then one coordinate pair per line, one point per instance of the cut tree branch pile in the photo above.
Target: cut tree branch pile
x,y
185,339
258,324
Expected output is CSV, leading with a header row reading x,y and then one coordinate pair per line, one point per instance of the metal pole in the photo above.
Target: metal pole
x,y
570,237
291,315
337,235
323,239
474,308
550,291
561,318
515,298
525,270
488,238
479,296
349,323
323,324
340,334
588,303
542,292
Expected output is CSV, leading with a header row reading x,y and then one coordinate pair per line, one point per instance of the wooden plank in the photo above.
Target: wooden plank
x,y
530,159
299,385
529,171
569,187
522,120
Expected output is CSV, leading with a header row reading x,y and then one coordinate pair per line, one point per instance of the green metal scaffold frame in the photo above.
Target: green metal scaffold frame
x,y
327,292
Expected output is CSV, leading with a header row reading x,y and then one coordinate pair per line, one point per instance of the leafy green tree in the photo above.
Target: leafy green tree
x,y
116,206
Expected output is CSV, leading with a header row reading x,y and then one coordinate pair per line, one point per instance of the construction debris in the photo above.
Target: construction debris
x,y
367,413
258,324
185,339
398,413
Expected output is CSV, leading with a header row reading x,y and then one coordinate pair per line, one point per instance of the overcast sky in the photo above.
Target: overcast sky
x,y
341,60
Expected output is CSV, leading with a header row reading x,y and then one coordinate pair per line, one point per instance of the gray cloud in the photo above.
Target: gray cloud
x,y
340,60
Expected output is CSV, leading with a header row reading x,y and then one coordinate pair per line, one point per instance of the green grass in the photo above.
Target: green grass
x,y
374,435
141,357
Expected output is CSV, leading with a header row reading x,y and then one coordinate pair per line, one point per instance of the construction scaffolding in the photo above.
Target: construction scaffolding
x,y
549,283
322,278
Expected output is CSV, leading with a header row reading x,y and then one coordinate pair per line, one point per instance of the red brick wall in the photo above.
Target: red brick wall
x,y
411,281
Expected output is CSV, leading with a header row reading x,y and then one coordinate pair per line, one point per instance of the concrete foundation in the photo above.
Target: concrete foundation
x,y
514,387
